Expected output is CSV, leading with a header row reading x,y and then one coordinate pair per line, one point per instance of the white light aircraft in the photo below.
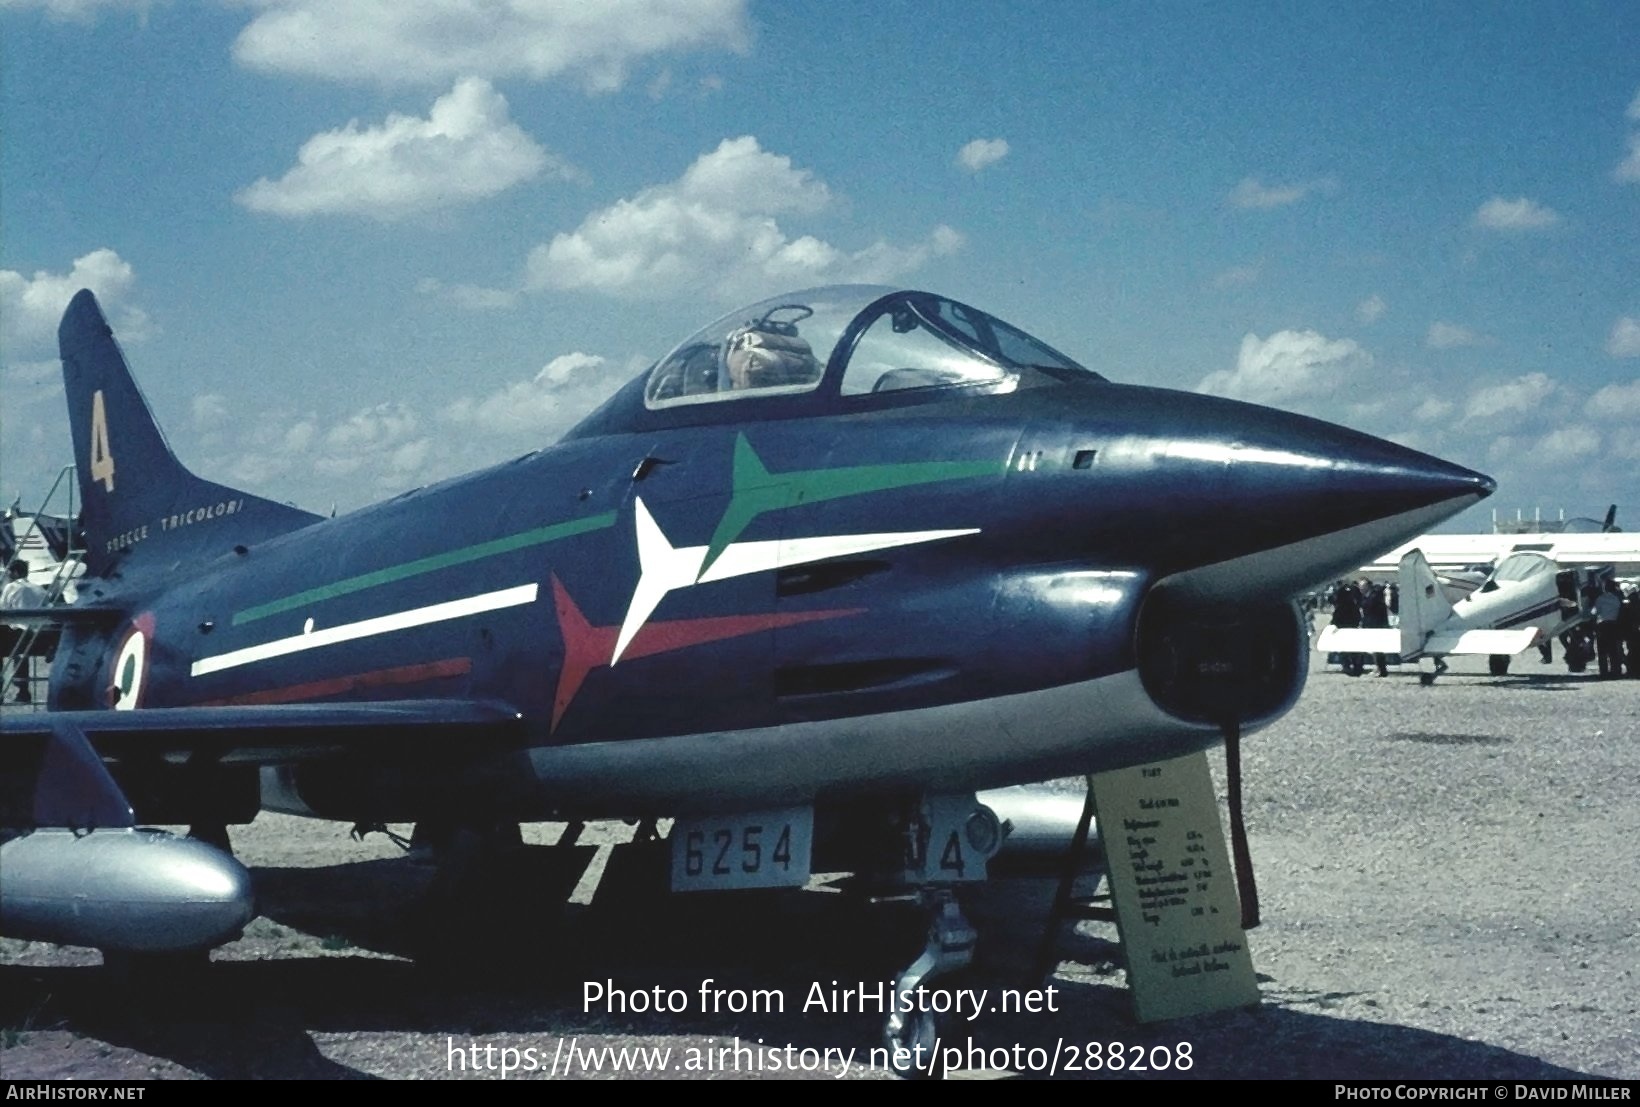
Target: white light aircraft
x,y
1527,600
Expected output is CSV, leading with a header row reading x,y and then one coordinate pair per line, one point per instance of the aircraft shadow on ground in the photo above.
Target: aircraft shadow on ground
x,y
1446,738
1538,682
521,982
1546,682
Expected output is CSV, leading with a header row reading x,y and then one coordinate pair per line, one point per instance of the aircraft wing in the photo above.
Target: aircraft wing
x,y
1359,640
1448,552
62,615
272,733
1482,641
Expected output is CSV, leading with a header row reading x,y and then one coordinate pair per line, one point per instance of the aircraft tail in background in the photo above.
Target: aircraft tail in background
x,y
1423,603
139,501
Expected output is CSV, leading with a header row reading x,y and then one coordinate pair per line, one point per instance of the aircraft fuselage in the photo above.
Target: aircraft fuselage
x,y
735,598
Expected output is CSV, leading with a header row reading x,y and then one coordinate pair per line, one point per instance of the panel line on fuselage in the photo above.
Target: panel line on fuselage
x,y
368,628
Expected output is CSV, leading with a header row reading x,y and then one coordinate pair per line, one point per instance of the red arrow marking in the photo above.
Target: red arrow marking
x,y
587,647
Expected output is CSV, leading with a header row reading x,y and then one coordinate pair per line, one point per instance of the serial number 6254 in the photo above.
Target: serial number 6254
x,y
759,849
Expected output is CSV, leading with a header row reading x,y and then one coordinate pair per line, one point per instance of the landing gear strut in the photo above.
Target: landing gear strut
x,y
935,843
471,891
1428,669
911,1030
215,834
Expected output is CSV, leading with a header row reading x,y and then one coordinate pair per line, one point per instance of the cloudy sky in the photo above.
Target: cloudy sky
x,y
353,246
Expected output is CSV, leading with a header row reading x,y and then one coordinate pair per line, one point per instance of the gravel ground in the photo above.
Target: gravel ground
x,y
1450,882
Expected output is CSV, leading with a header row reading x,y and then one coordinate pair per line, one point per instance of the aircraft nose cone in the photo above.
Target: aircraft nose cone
x,y
1266,502
1296,468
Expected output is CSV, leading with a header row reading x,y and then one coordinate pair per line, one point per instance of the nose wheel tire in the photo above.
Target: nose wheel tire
x,y
912,1040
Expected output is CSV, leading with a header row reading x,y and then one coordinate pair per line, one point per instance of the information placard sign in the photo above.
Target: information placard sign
x,y
1174,889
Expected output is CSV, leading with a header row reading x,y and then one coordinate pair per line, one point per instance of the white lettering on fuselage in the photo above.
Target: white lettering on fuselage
x,y
174,521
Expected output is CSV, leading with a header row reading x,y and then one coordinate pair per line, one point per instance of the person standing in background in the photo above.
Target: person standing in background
x,y
19,593
1608,647
1375,615
1347,613
1629,620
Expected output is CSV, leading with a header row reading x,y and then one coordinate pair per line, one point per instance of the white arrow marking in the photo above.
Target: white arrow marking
x,y
665,568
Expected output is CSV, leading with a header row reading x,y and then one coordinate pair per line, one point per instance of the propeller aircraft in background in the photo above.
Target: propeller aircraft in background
x,y
1528,599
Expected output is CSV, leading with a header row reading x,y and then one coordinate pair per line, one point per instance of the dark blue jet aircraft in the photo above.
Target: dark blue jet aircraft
x,y
835,564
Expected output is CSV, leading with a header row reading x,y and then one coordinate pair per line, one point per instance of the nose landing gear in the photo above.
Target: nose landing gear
x,y
911,1033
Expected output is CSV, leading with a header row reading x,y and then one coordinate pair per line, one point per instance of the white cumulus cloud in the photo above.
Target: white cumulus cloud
x,y
470,297
1629,168
210,410
1564,444
31,307
1288,366
981,152
467,149
1432,409
1449,336
79,11
1238,275
1625,338
1624,447
1254,194
433,41
1519,214
1510,400
1615,401
380,450
716,226
543,407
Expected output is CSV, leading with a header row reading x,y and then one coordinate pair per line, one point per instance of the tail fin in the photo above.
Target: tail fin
x,y
1424,605
139,500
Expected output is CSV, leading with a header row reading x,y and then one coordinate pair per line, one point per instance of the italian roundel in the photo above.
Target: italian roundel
x,y
131,666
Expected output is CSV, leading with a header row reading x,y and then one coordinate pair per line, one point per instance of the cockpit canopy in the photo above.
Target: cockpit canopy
x,y
853,340
1522,566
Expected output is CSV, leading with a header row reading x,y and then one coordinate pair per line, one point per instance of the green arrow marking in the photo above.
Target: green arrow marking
x,y
536,537
756,490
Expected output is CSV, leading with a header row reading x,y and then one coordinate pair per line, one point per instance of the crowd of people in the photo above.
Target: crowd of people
x,y
1617,631
1369,605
